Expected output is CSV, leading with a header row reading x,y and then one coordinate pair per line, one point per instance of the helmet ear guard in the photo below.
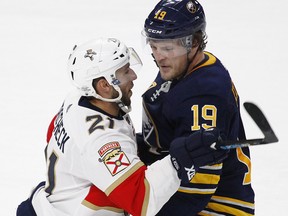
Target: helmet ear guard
x,y
187,42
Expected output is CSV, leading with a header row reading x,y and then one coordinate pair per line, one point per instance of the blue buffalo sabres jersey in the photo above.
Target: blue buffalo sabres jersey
x,y
205,97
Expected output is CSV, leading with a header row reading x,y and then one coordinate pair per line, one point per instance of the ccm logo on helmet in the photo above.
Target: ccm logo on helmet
x,y
154,31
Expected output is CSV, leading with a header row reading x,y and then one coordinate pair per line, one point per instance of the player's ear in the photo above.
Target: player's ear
x,y
101,85
195,43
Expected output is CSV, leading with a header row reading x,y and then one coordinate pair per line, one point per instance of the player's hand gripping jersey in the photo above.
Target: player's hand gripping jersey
x,y
204,98
93,167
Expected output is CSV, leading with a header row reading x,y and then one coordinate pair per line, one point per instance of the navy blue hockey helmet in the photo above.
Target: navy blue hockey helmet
x,y
171,19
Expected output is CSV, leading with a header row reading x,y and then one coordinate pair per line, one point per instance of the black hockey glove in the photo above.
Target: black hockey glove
x,y
190,153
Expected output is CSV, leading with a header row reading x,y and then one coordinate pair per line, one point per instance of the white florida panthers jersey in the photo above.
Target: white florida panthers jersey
x,y
93,167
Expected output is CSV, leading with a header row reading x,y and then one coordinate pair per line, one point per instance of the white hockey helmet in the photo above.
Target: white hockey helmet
x,y
100,58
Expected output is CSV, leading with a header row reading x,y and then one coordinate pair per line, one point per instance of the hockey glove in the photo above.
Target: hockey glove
x,y
190,153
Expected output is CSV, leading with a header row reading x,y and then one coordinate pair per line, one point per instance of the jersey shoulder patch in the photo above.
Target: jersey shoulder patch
x,y
113,157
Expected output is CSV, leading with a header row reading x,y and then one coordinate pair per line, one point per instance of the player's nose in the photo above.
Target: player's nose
x,y
133,75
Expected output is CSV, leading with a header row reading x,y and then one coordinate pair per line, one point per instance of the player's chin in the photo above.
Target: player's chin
x,y
129,94
127,98
126,101
166,74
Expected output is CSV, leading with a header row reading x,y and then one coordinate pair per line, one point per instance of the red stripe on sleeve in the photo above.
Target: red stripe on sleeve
x,y
99,198
130,194
50,129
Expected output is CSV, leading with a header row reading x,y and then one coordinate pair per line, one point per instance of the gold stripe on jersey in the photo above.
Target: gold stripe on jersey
x,y
201,178
152,85
232,201
97,208
196,190
235,93
211,60
224,209
124,177
146,199
205,179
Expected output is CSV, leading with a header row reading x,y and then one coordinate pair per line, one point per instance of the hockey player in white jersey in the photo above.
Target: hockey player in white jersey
x,y
91,153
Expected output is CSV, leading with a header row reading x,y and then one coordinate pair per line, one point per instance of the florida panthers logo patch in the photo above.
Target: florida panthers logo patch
x,y
114,159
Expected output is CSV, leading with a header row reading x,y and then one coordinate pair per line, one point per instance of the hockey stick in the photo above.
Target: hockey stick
x,y
263,124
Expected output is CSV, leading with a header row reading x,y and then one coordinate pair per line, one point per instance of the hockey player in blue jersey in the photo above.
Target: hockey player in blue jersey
x,y
193,91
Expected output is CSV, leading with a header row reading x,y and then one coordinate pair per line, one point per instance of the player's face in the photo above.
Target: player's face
x,y
126,76
171,58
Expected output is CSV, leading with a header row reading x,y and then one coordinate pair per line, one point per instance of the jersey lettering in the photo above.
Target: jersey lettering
x,y
59,131
164,88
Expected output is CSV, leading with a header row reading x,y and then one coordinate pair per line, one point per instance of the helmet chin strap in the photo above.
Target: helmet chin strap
x,y
123,107
117,100
97,96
